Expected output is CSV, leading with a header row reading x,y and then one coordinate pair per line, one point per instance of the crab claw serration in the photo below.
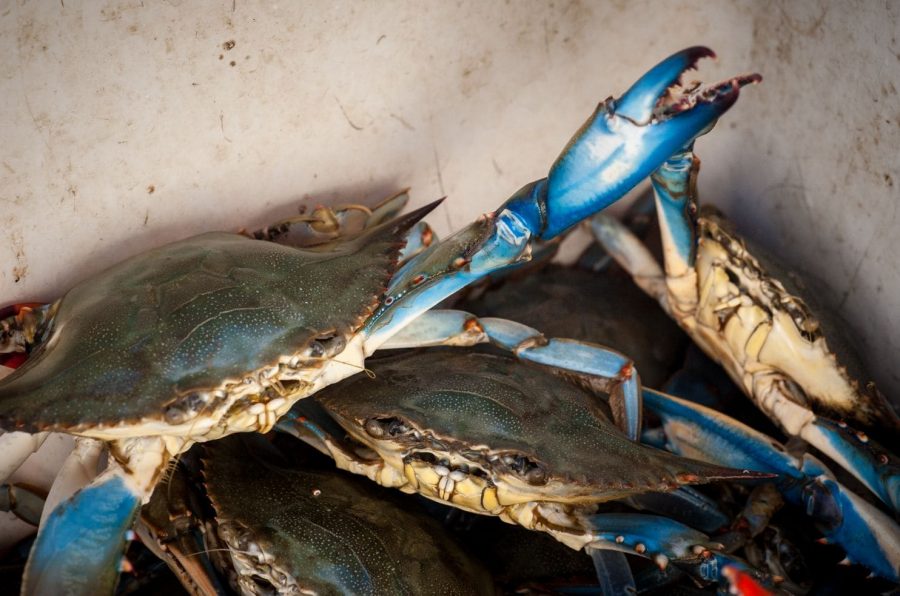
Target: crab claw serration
x,y
637,104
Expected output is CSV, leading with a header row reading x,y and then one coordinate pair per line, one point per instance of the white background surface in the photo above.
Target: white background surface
x,y
104,101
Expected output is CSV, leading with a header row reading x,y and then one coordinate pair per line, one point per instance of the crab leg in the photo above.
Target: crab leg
x,y
870,537
659,539
620,144
632,255
418,239
79,547
78,470
684,504
590,363
638,217
16,447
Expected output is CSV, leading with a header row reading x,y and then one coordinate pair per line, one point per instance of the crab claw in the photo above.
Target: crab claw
x,y
659,539
664,540
638,102
869,536
605,159
623,142
874,465
79,547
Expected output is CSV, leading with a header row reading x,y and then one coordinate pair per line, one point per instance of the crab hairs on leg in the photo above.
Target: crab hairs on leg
x,y
621,143
589,364
80,545
869,536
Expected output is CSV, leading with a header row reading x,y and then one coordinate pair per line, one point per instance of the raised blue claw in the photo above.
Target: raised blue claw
x,y
605,159
614,150
869,536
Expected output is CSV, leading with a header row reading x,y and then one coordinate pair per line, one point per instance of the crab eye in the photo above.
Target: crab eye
x,y
184,409
380,427
326,345
374,428
533,472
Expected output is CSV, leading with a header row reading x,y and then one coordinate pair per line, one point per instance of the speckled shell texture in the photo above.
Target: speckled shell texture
x,y
188,317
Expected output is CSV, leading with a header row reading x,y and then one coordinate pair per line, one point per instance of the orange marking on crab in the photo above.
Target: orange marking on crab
x,y
743,584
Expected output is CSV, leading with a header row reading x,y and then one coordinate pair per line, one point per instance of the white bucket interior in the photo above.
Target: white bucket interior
x,y
128,124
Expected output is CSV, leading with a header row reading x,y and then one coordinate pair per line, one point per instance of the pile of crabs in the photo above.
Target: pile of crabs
x,y
227,400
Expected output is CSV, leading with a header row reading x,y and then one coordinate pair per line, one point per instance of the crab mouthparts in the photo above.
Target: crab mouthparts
x,y
680,97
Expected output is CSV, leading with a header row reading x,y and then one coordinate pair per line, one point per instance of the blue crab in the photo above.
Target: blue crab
x,y
488,434
268,523
221,333
754,319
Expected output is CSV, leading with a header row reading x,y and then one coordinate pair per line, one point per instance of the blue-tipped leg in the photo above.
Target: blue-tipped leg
x,y
79,549
869,536
874,465
593,365
658,538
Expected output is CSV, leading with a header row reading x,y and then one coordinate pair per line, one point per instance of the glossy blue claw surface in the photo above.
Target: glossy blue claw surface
x,y
613,151
638,102
79,548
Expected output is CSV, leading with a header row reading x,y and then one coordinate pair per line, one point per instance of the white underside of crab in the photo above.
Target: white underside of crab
x,y
736,313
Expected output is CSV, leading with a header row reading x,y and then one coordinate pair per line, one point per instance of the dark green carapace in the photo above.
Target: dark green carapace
x,y
605,308
494,404
332,532
191,316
